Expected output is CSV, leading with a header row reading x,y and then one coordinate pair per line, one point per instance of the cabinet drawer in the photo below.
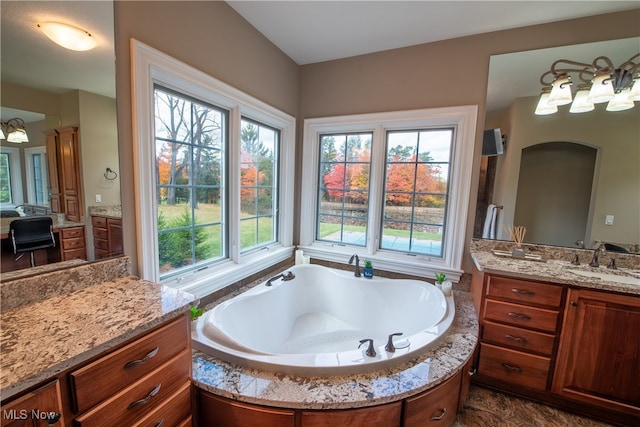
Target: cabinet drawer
x,y
101,244
101,253
521,315
74,254
99,222
524,291
141,397
73,232
437,407
518,338
100,233
75,243
104,377
513,366
171,412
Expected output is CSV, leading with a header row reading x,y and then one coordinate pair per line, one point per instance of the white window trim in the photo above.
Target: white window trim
x,y
31,180
463,118
17,195
150,66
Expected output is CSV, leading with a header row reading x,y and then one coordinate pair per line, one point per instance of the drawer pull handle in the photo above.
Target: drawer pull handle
x,y
160,423
518,316
512,368
53,418
521,340
522,291
145,400
440,416
134,363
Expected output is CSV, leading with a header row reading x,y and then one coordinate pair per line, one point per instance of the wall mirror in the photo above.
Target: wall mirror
x,y
50,87
609,207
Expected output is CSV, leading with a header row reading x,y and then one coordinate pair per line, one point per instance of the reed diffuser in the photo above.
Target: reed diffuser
x,y
517,234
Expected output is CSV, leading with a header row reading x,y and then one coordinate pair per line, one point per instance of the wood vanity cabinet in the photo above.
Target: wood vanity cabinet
x,y
573,348
599,353
41,407
146,382
107,237
148,379
437,407
72,243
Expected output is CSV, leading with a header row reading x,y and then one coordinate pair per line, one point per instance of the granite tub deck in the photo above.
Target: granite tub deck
x,y
556,266
345,391
60,319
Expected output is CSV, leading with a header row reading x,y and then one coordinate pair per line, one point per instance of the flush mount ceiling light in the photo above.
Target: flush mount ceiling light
x,y
14,130
600,81
68,36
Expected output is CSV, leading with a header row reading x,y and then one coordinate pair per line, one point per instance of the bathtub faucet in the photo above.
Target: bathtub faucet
x,y
357,270
371,352
286,276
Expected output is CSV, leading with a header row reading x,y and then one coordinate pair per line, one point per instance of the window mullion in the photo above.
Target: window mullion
x,y
235,119
376,188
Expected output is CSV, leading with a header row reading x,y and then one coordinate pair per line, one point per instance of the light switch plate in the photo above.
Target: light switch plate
x,y
98,198
608,220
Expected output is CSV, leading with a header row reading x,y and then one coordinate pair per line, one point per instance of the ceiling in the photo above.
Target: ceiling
x,y
307,31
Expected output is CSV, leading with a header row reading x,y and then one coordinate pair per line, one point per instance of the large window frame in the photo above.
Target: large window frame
x,y
462,119
15,178
151,67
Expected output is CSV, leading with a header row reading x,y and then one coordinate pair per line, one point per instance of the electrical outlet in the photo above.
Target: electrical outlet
x,y
98,198
608,220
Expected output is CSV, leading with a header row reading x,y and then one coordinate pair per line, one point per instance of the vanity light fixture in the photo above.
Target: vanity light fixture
x,y
601,82
13,130
68,36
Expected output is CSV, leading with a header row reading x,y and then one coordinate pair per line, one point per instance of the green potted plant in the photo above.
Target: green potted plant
x,y
195,312
440,278
368,269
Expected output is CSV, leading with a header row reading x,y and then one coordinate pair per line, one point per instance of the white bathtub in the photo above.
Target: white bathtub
x,y
313,323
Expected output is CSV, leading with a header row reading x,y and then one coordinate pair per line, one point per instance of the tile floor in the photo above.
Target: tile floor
x,y
486,408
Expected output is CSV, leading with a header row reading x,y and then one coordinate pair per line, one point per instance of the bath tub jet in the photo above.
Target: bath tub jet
x,y
318,321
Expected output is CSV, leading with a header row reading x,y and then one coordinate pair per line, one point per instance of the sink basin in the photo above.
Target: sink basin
x,y
608,276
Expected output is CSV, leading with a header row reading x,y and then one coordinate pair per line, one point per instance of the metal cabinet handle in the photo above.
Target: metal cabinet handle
x,y
160,423
513,368
522,291
518,316
145,400
134,363
443,412
521,340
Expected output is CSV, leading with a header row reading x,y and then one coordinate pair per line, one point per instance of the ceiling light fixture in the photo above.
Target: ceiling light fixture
x,y
68,36
601,82
14,130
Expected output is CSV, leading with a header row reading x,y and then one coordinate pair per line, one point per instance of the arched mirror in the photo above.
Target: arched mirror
x,y
60,96
534,182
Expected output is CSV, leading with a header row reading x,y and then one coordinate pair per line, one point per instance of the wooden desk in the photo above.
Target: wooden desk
x,y
70,244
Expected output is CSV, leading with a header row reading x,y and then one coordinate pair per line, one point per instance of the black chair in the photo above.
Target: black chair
x,y
30,234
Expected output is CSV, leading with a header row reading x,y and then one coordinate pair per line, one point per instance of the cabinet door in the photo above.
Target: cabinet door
x,y
376,416
599,353
437,407
42,407
215,411
55,198
114,231
69,166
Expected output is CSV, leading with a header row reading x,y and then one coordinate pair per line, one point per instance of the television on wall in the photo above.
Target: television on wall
x,y
492,143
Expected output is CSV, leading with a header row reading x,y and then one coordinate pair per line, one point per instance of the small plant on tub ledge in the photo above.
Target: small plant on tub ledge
x,y
440,277
195,312
368,270
443,285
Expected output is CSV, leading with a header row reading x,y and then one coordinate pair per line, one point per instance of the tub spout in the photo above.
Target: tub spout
x,y
357,269
286,276
371,352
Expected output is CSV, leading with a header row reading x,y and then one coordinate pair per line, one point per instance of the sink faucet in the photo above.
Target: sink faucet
x,y
596,253
357,269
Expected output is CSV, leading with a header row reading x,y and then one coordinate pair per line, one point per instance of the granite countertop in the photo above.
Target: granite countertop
x,y
58,222
556,266
44,337
348,391
110,211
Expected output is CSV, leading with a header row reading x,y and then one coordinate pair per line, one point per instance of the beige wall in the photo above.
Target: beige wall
x,y
617,180
211,37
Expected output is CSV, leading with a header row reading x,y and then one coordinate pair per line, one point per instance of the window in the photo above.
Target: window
x,y
37,175
10,176
391,187
214,168
5,179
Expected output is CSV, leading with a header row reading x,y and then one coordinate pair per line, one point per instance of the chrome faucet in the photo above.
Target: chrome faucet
x,y
600,250
357,269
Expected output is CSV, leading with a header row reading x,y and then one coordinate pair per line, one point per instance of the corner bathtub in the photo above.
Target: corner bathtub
x,y
313,323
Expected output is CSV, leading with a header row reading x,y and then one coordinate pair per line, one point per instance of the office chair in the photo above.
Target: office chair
x,y
30,234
